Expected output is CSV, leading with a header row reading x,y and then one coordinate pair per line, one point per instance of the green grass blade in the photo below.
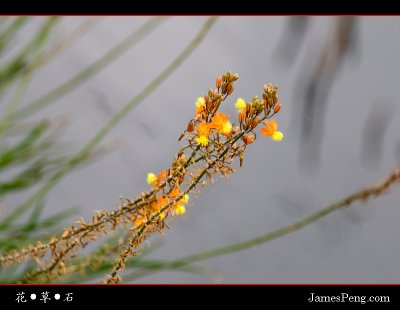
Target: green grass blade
x,y
92,69
19,64
15,153
8,34
103,132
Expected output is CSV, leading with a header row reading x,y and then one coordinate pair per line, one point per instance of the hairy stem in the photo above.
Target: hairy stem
x,y
120,115
363,195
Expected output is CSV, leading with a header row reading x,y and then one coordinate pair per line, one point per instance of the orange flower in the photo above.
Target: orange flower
x,y
220,122
158,180
162,175
159,204
271,130
200,105
174,193
203,131
140,220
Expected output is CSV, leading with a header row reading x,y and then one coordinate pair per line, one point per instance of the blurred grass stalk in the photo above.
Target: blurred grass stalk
x,y
39,60
96,263
19,64
103,132
92,69
363,195
22,231
29,151
34,228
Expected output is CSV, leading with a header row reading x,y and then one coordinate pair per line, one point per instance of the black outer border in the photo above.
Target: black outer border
x,y
160,296
199,7
250,296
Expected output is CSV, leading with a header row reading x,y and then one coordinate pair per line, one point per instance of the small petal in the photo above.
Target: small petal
x,y
151,177
240,105
140,220
203,129
267,131
180,209
274,124
185,199
226,128
200,102
202,140
277,136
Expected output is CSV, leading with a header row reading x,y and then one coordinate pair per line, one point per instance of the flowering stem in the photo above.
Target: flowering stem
x,y
133,242
120,115
362,195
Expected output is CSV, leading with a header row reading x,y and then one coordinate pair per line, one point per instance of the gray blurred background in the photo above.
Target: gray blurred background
x,y
339,85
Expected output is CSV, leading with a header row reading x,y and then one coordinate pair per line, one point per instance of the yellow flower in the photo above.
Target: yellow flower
x,y
203,131
226,128
272,130
277,136
200,105
162,215
202,140
220,122
185,199
180,209
240,105
200,101
151,177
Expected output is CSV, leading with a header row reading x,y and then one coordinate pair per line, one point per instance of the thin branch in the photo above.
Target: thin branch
x,y
120,115
363,195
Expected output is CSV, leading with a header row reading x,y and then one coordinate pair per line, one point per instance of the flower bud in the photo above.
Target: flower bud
x,y
218,82
241,116
277,107
190,127
255,122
